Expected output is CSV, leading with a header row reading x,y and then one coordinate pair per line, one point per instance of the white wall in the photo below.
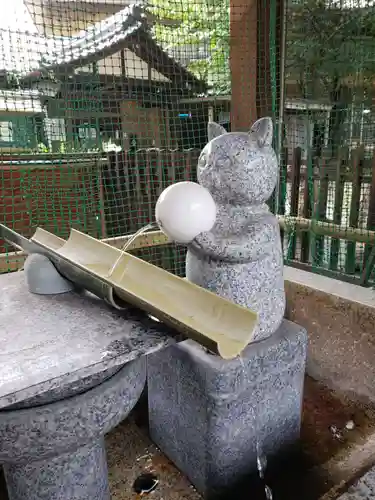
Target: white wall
x,y
134,67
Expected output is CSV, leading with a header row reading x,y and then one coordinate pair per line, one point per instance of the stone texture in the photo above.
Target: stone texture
x,y
56,451
58,342
65,390
240,259
81,474
206,414
45,431
340,319
131,453
42,277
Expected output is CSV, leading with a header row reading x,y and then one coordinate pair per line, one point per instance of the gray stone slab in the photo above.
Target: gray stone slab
x,y
56,451
51,341
364,489
207,414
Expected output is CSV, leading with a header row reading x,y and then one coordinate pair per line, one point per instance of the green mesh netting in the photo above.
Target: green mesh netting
x,y
103,103
329,172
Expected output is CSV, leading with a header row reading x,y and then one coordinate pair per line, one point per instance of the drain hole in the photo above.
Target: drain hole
x,y
145,483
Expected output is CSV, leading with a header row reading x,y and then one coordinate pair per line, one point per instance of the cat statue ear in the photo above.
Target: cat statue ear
x,y
214,130
262,132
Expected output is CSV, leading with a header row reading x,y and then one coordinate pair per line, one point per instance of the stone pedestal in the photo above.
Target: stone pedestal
x,y
80,474
207,415
56,451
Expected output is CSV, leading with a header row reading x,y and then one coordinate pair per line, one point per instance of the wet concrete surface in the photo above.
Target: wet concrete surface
x,y
131,453
324,436
324,412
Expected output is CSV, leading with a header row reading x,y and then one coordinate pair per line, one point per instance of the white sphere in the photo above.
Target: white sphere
x,y
184,210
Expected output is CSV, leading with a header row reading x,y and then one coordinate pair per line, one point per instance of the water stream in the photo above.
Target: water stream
x,y
262,466
144,229
261,457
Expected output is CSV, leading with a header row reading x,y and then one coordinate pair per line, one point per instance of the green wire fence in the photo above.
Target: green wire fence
x,y
105,103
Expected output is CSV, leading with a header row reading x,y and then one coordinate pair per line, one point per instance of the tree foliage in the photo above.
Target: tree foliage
x,y
329,47
330,52
200,37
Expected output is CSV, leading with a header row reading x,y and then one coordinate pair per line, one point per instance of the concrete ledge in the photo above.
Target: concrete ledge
x,y
340,289
340,321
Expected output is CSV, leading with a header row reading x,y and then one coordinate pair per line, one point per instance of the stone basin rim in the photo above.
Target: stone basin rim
x,y
54,397
44,432
61,402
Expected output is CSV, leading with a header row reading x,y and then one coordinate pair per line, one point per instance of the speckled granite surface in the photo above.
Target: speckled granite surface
x,y
131,453
240,259
51,341
56,451
207,414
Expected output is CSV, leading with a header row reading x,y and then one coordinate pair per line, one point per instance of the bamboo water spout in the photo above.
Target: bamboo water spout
x,y
217,324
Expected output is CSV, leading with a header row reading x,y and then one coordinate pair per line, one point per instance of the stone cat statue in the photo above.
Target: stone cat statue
x,y
240,259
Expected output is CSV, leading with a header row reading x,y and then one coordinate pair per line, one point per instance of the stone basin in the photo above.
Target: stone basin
x,y
340,319
130,453
71,369
64,391
50,342
56,450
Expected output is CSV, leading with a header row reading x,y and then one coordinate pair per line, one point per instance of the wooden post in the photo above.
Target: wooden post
x,y
337,214
255,60
321,211
306,208
357,164
283,180
369,253
264,78
243,63
103,225
294,198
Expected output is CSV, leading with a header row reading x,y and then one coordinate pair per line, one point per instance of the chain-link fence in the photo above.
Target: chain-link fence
x,y
103,103
328,174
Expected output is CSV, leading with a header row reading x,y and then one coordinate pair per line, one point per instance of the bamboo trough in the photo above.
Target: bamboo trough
x,y
219,325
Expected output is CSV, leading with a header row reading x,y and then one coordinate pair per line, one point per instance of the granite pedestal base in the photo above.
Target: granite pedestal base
x,y
55,451
207,415
79,474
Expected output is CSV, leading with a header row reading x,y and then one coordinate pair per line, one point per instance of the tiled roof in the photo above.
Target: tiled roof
x,y
26,52
110,32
